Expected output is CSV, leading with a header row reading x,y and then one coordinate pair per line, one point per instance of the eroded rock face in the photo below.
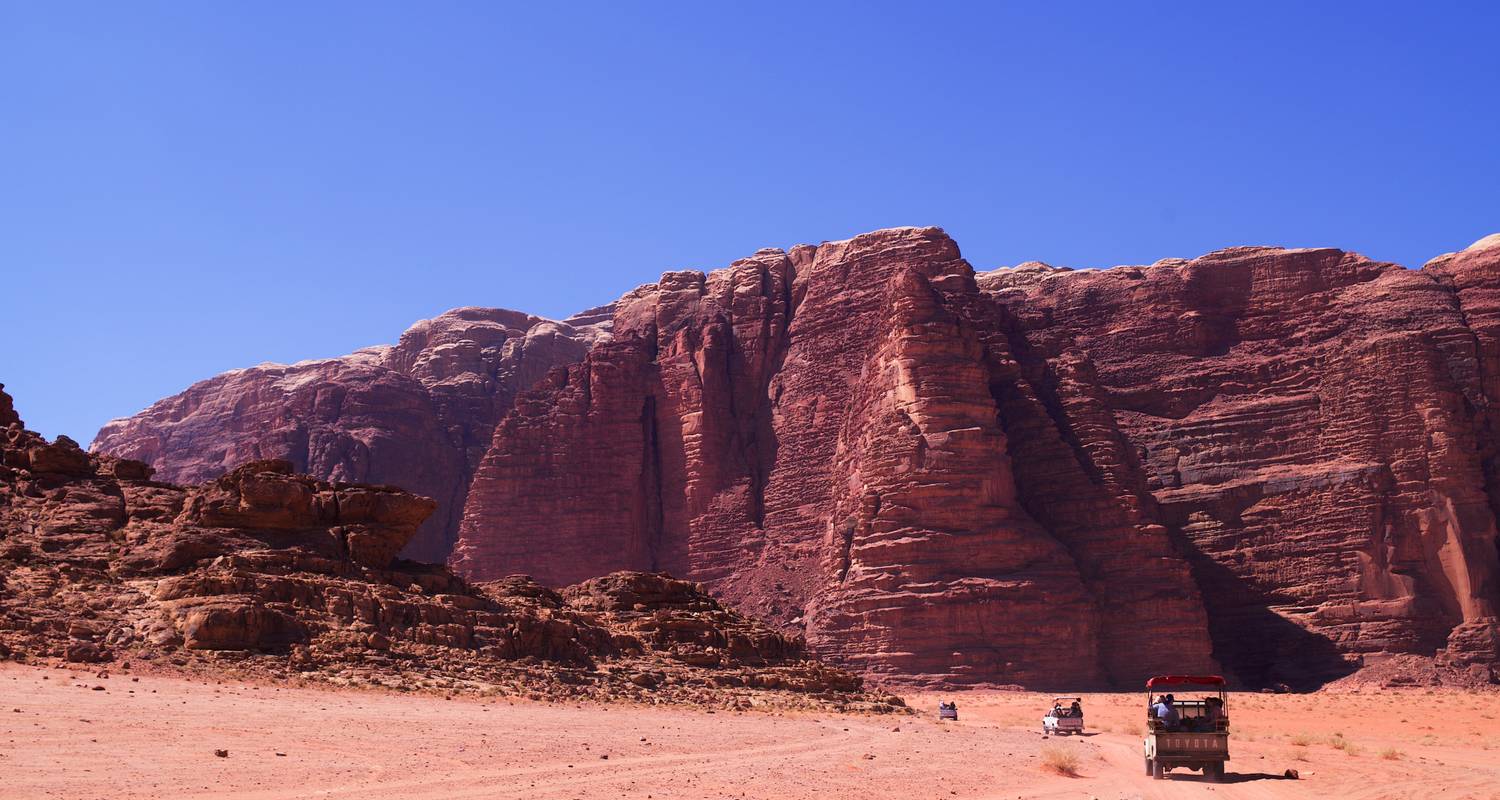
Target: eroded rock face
x,y
666,421
1280,463
269,572
1310,427
931,553
8,415
1474,275
824,437
1277,462
417,415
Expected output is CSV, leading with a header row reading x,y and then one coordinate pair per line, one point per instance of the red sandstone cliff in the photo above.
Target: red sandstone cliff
x,y
417,415
1310,425
1474,275
1281,462
825,436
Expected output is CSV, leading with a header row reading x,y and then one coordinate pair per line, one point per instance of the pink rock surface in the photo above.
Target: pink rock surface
x,y
1280,463
264,572
416,415
819,435
1268,460
1310,425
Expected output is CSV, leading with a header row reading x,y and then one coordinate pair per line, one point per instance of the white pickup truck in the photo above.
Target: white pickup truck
x,y
1066,716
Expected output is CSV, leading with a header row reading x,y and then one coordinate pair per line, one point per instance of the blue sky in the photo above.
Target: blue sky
x,y
192,187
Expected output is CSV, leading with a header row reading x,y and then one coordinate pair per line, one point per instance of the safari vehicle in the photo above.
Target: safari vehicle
x,y
1061,719
1199,738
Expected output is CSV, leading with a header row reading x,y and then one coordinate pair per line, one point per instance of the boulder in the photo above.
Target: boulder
x,y
62,456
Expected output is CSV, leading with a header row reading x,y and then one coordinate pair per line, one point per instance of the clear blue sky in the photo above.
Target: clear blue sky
x,y
187,188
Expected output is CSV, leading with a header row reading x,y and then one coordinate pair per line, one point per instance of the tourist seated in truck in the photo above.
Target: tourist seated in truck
x,y
1198,716
1213,712
1165,713
1076,710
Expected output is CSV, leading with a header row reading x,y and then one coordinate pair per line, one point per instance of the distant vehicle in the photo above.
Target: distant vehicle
x,y
948,711
1194,734
1065,716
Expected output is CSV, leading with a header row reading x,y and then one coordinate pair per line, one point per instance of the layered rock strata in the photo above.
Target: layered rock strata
x,y
825,437
1281,463
1276,460
418,414
1312,428
264,571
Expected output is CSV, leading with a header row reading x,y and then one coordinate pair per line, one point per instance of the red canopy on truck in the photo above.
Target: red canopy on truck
x,y
1184,680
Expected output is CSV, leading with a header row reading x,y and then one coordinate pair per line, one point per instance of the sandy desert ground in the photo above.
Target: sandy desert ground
x,y
154,736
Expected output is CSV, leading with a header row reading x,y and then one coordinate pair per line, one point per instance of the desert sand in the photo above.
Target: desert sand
x,y
145,735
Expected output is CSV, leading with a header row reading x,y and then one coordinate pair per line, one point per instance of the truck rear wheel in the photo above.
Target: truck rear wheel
x,y
1158,771
1215,771
1150,768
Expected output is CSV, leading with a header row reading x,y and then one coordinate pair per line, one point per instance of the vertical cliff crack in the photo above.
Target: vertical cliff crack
x,y
650,492
846,546
745,434
760,440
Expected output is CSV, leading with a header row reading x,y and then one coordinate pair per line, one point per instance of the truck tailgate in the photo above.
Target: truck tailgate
x,y
1191,744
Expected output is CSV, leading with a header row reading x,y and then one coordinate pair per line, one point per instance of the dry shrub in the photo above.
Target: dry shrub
x,y
1349,748
1061,760
1390,754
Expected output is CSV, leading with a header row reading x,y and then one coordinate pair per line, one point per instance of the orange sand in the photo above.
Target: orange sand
x,y
155,736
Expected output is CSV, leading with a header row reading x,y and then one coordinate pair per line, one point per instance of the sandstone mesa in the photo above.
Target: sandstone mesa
x,y
1279,463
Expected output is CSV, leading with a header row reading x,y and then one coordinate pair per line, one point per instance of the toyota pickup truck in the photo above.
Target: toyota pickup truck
x,y
1191,732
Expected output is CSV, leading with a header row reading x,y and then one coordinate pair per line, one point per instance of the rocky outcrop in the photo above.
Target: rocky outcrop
x,y
1280,463
1275,461
417,415
265,571
820,436
1309,426
1474,275
8,415
656,427
935,568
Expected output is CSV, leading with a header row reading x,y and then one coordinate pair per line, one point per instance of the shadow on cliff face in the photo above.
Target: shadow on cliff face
x,y
1255,644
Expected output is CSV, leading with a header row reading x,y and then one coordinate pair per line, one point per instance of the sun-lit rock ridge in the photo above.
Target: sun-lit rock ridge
x,y
417,414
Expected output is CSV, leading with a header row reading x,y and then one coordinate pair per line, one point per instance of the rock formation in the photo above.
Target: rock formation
x,y
416,415
264,571
819,436
1308,423
1281,463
